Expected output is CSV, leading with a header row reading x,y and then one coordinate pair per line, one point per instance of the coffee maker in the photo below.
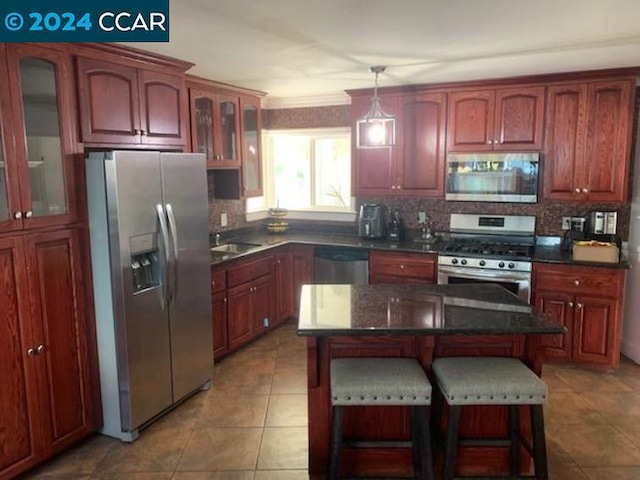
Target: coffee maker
x,y
371,221
603,227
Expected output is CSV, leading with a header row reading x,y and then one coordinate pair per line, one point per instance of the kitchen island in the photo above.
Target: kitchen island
x,y
416,321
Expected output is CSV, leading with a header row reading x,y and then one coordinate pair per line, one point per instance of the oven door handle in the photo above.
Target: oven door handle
x,y
479,273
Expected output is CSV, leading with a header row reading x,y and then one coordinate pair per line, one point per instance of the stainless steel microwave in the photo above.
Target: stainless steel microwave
x,y
492,177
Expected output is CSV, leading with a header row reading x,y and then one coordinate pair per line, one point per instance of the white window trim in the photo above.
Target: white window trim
x,y
325,213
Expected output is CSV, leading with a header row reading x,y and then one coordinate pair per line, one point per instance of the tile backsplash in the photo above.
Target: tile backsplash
x,y
548,214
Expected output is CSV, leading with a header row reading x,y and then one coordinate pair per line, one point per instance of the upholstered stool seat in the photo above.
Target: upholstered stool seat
x,y
381,382
493,381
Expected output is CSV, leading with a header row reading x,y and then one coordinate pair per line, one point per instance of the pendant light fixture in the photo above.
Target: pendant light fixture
x,y
377,128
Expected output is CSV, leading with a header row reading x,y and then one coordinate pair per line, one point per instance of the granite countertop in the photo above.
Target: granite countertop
x,y
266,241
418,310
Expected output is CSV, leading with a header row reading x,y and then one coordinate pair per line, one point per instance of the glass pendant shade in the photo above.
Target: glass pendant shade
x,y
377,128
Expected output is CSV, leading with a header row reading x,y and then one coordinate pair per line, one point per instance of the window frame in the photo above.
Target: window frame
x,y
257,208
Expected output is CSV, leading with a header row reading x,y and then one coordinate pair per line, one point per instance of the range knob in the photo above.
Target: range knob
x,y
501,264
482,263
454,261
463,261
511,265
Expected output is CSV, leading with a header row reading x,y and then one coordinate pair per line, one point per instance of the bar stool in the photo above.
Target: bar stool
x,y
382,382
492,381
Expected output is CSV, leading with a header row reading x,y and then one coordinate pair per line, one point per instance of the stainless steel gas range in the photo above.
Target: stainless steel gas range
x,y
489,248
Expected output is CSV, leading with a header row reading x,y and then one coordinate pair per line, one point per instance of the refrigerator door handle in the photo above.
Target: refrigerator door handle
x,y
164,233
176,252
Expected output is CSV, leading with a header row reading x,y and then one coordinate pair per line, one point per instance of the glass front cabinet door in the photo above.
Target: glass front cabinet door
x,y
251,158
41,167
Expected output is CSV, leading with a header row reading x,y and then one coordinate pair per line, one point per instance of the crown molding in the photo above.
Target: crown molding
x,y
299,102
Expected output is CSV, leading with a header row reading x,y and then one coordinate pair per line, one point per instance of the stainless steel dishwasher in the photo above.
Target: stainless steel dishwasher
x,y
341,265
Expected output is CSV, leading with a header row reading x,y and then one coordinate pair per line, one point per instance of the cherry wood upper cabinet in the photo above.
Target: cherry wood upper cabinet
x,y
509,119
420,168
374,168
414,166
121,104
588,140
38,168
21,441
250,128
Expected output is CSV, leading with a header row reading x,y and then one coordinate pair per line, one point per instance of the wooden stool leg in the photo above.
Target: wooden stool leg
x,y
415,441
514,437
422,456
539,443
436,420
451,444
337,413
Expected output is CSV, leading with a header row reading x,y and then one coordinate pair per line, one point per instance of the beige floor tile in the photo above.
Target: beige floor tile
x,y
566,473
282,475
283,449
615,405
629,373
570,408
133,476
553,381
157,450
82,459
289,380
55,476
613,473
287,411
234,411
582,380
557,457
247,475
592,445
213,449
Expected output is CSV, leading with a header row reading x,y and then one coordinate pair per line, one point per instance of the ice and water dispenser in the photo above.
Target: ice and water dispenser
x,y
145,262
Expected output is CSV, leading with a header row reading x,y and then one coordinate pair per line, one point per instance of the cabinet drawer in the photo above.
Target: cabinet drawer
x,y
405,264
603,282
249,270
218,280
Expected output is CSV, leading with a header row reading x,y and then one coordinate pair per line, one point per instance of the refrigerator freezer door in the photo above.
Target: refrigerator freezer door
x,y
186,201
134,190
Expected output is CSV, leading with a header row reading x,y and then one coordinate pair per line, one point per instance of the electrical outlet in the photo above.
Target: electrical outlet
x,y
422,217
566,223
223,219
265,322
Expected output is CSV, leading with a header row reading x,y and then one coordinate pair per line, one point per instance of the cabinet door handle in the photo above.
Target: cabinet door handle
x,y
584,190
570,304
143,132
136,131
393,187
225,300
401,267
576,282
40,349
399,187
17,215
579,305
489,142
578,190
31,352
29,214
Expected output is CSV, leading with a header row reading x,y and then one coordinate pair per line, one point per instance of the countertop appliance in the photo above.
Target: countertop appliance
x,y
371,221
339,265
602,223
489,249
492,177
149,229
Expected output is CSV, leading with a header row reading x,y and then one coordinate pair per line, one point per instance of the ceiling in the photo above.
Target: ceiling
x,y
300,48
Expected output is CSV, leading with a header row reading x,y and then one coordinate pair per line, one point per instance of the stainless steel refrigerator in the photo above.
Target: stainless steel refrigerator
x,y
148,216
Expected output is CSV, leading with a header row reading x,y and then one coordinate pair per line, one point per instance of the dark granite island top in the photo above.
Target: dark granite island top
x,y
469,309
422,322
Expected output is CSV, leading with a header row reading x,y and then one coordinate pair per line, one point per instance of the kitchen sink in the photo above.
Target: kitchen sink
x,y
228,248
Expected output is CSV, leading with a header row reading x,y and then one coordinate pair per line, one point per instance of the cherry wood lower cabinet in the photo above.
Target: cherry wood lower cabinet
x,y
588,301
400,267
284,285
45,399
302,271
219,311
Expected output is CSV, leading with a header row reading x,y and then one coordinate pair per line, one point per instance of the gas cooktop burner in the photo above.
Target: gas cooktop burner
x,y
477,247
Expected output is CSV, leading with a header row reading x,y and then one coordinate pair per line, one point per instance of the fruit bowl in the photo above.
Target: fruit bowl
x,y
278,227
